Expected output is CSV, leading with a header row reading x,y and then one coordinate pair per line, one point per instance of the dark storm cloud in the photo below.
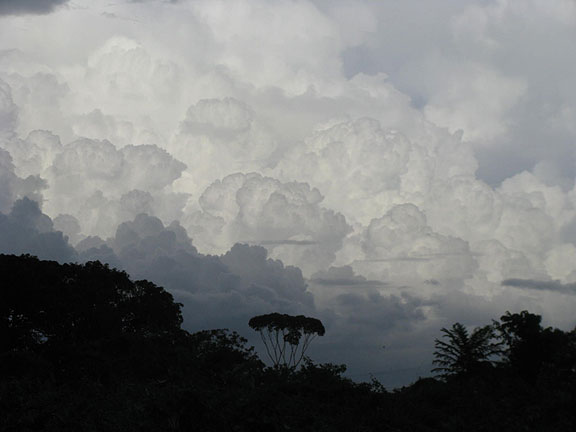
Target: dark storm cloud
x,y
555,286
216,291
34,7
26,230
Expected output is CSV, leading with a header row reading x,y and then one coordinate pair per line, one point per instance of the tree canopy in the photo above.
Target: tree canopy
x,y
531,348
464,352
281,332
44,304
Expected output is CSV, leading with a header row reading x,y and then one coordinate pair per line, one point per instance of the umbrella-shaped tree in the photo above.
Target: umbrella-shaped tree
x,y
286,337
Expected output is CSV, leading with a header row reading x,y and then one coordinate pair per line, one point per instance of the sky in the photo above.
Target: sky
x,y
389,167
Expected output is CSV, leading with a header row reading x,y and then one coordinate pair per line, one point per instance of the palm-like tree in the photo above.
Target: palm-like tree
x,y
463,352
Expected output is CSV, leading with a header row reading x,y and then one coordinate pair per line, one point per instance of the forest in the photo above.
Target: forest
x,y
85,348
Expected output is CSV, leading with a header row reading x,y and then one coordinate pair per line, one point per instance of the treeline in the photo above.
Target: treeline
x,y
84,348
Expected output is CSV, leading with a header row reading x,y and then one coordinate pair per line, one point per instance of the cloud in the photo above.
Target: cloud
x,y
251,28
8,110
217,291
257,209
8,178
364,168
464,56
22,7
101,185
37,92
162,1
485,93
33,155
555,286
368,324
218,137
26,230
288,242
402,246
13,187
342,276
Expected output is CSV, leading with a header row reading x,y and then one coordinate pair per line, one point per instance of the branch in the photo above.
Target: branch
x,y
266,345
307,340
275,348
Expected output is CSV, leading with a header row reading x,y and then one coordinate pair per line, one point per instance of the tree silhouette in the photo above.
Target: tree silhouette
x,y
49,307
282,335
82,347
531,347
463,352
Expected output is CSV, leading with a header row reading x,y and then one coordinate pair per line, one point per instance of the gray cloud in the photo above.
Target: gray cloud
x,y
23,7
370,329
26,230
8,110
288,242
346,282
159,1
7,181
555,286
217,291
342,276
392,259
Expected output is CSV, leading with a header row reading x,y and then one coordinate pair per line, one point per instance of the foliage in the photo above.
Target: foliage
x,y
531,349
463,352
280,332
43,303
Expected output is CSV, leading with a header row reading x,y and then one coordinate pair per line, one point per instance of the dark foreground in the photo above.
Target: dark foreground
x,y
84,348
